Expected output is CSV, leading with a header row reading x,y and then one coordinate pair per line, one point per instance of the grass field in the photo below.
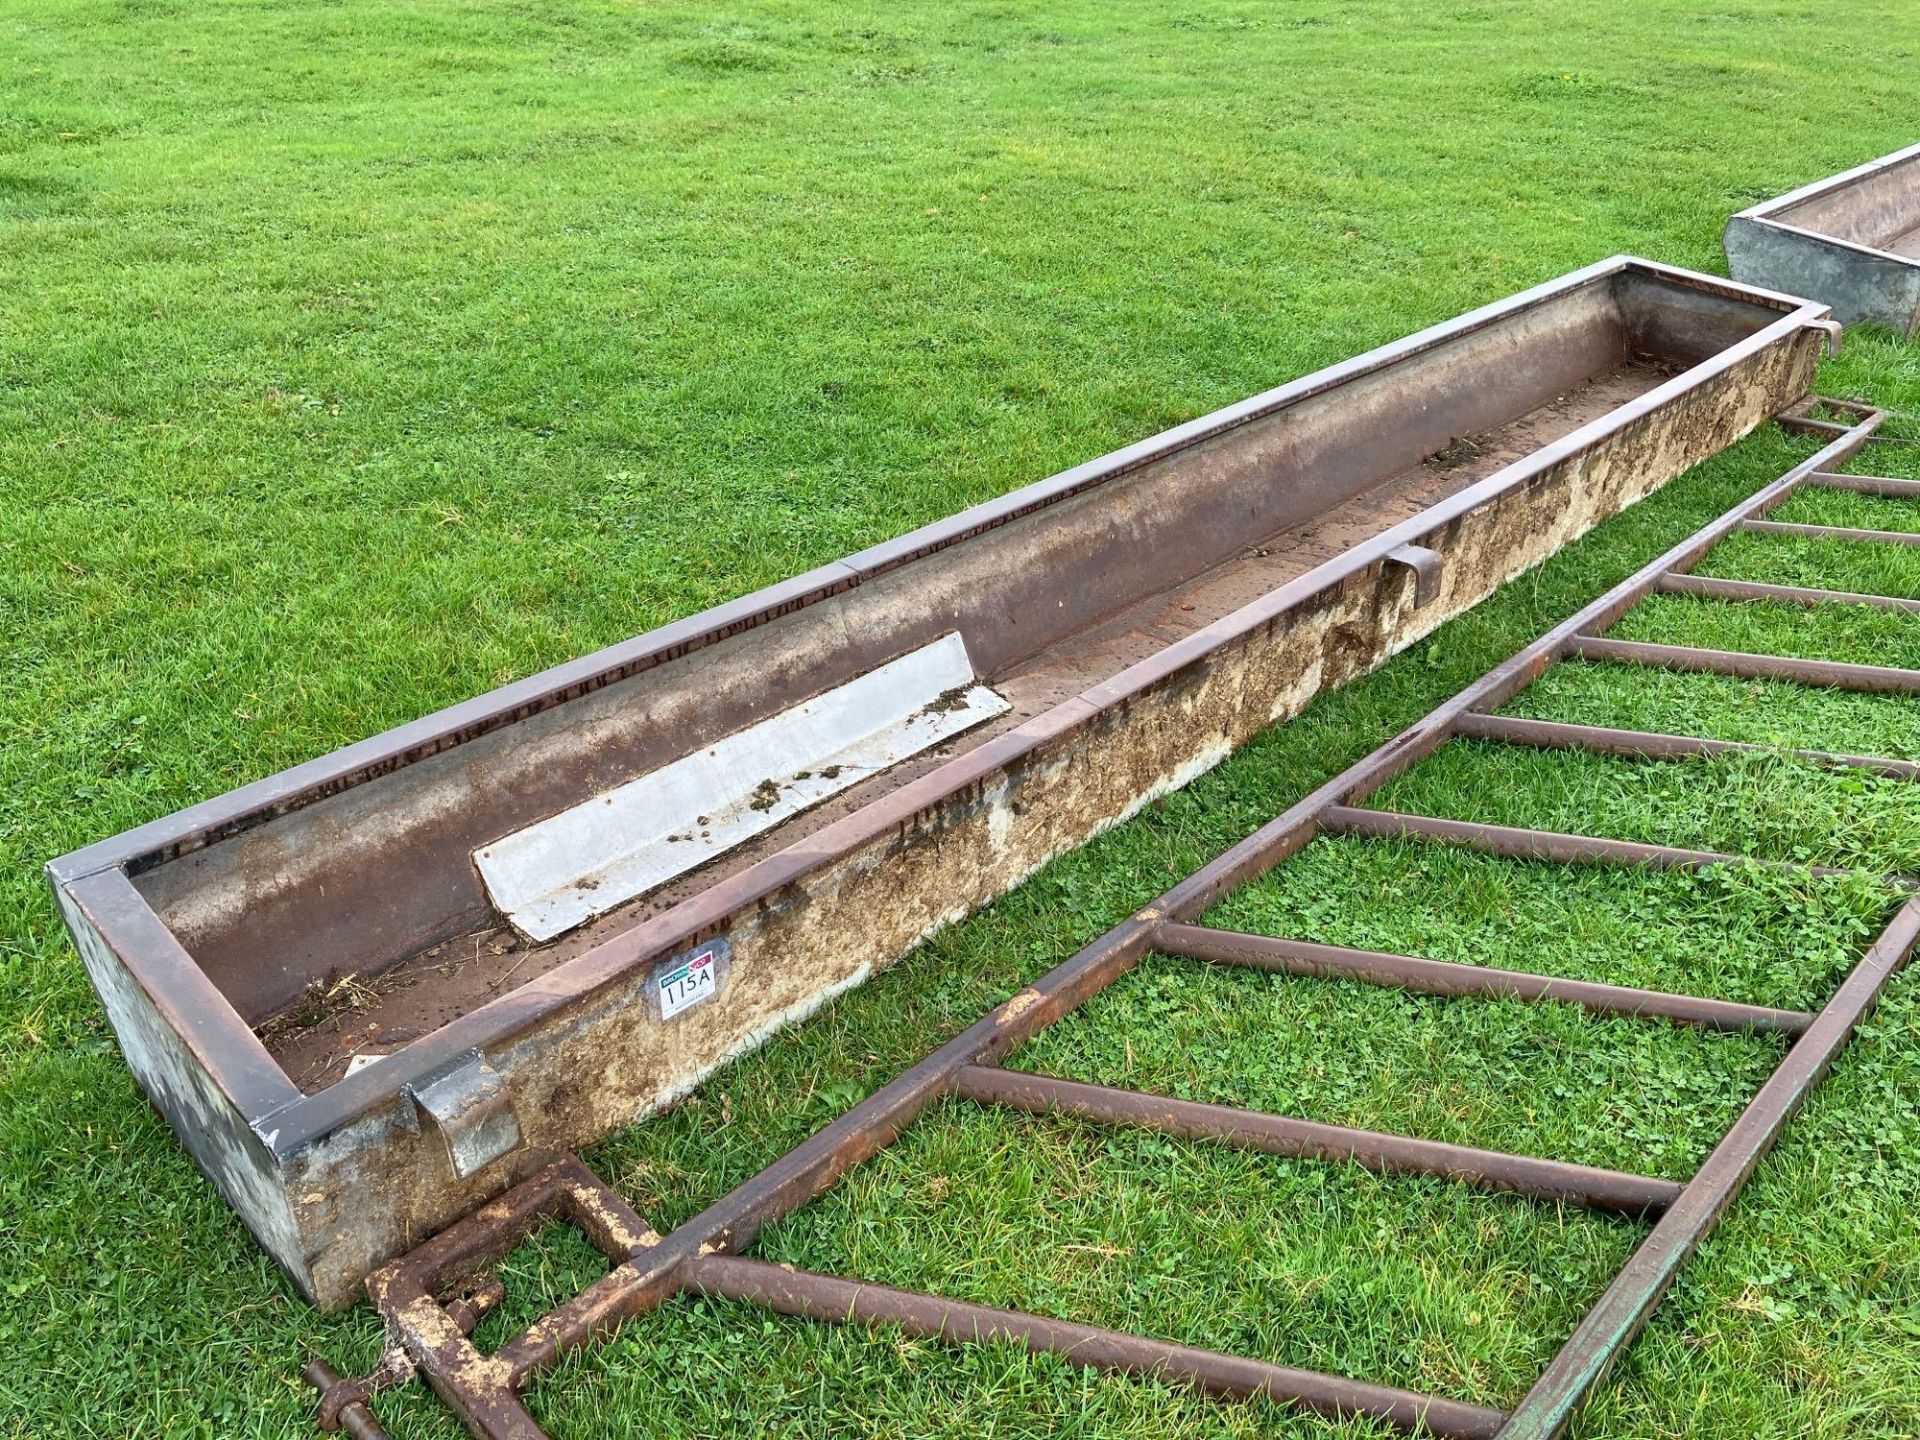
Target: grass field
x,y
358,356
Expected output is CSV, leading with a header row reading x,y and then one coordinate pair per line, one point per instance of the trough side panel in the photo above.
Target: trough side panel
x,y
206,1122
1861,288
1869,210
1005,592
1685,324
1492,544
603,1062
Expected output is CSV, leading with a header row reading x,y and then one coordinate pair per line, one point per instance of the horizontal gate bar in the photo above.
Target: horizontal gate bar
x,y
1623,1309
1294,827
834,1300
1836,432
1652,745
1708,587
1520,844
1550,1180
1829,532
1442,977
1881,485
1835,674
1802,424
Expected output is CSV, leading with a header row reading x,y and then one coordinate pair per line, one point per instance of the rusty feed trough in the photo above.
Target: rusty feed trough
x,y
432,1298
373,991
1852,240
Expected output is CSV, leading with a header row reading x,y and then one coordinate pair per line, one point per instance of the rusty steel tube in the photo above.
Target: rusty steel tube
x,y
1709,587
1441,977
1830,532
1652,745
1794,424
1746,665
354,1417
1549,1180
1623,1309
839,1301
1881,485
1515,843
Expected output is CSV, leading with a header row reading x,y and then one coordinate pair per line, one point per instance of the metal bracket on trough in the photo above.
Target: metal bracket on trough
x,y
1425,565
468,1103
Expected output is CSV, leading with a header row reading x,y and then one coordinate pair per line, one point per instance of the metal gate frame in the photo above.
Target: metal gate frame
x,y
432,1298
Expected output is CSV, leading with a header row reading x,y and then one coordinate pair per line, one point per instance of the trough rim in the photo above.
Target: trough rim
x,y
286,1120
1765,212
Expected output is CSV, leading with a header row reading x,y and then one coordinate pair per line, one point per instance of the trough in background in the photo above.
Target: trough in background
x,y
1140,616
1851,241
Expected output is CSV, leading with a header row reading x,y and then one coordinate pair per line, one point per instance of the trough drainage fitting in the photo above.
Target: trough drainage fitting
x,y
430,1335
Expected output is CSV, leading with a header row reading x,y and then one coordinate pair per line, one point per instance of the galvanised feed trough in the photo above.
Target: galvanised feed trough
x,y
377,989
1852,240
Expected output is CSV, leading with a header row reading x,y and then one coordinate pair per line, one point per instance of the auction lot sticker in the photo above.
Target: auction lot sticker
x,y
690,978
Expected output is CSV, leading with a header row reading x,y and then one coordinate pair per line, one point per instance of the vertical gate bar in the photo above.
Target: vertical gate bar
x,y
1553,846
1613,1323
1832,532
1445,977
1751,665
1881,485
1554,1181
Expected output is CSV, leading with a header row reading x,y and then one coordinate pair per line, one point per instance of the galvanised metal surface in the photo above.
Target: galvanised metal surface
x,y
429,1297
1851,240
200,930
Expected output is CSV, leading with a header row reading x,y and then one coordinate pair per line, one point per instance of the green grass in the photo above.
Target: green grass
x,y
1765,805
1856,633
1862,569
355,357
1725,709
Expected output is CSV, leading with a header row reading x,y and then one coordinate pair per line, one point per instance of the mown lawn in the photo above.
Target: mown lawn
x,y
358,356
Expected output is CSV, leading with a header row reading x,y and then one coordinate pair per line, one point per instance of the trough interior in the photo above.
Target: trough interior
x,y
1880,210
357,923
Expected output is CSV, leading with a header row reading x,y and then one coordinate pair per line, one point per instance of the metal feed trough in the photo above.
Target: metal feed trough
x,y
376,990
433,1298
1852,240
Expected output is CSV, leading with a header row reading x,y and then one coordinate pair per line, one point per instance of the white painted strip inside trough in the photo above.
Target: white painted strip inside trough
x,y
583,862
